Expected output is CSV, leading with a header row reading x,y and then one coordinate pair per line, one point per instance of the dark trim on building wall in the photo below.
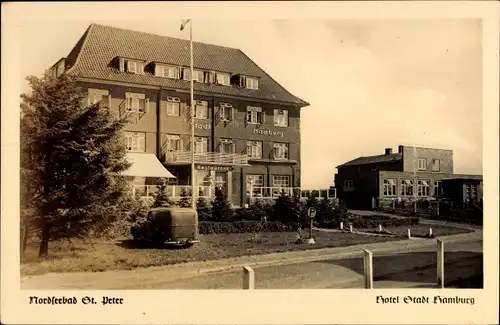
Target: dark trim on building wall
x,y
212,130
201,93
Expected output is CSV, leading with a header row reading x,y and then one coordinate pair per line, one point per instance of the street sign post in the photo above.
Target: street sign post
x,y
311,213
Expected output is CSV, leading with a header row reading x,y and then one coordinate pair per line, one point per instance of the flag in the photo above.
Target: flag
x,y
184,23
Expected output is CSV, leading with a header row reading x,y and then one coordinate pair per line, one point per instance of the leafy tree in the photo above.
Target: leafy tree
x,y
203,209
259,210
69,156
221,209
162,200
185,200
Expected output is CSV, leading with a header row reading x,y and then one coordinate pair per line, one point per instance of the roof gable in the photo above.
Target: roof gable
x,y
94,52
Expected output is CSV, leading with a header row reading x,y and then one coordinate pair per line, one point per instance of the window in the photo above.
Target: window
x,y
226,146
201,110
199,76
471,191
389,187
280,151
225,112
281,117
98,95
168,72
281,181
436,165
136,102
201,145
348,184
131,66
406,187
252,83
136,141
255,115
173,106
438,188
422,164
174,142
186,74
222,79
254,149
423,188
209,77
254,184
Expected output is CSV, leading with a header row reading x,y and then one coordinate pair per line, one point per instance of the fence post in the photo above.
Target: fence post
x,y
430,232
440,263
373,203
341,225
437,208
379,228
248,278
350,228
409,233
393,205
368,269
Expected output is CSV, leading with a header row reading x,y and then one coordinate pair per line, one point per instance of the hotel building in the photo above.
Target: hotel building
x,y
398,175
247,126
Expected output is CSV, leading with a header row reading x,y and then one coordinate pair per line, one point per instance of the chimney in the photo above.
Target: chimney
x,y
400,149
388,151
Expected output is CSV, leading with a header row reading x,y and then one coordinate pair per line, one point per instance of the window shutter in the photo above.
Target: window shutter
x,y
263,117
121,65
231,117
146,105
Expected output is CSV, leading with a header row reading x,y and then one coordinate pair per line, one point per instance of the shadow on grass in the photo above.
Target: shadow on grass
x,y
420,267
133,244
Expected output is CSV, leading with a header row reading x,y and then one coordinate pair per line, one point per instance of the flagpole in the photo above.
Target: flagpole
x,y
191,93
415,185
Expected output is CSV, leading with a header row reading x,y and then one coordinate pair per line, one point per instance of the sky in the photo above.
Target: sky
x,y
371,84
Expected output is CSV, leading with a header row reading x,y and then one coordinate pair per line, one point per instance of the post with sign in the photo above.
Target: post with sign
x,y
311,213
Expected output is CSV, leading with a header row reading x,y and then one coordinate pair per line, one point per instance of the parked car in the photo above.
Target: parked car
x,y
168,225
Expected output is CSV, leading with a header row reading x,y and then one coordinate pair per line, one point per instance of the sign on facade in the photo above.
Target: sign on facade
x,y
268,132
214,168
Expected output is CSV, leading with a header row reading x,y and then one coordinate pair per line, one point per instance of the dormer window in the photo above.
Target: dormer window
x,y
132,66
252,83
199,76
166,71
223,78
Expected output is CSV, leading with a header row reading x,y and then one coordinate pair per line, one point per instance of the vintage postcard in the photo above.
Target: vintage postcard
x,y
250,163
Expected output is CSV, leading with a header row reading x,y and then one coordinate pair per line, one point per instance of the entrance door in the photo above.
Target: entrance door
x,y
221,182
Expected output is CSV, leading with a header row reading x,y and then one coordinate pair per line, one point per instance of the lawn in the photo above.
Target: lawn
x,y
421,230
124,255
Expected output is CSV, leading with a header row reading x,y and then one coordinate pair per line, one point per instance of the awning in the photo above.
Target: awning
x,y
146,165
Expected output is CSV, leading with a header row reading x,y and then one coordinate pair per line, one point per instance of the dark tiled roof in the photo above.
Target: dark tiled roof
x,y
92,55
394,157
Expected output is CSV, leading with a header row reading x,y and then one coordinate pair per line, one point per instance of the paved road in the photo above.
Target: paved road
x,y
416,268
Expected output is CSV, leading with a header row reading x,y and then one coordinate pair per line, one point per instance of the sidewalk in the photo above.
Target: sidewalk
x,y
186,270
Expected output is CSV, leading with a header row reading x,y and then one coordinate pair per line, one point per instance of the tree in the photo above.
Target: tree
x,y
326,211
185,200
203,209
221,209
69,156
162,200
286,209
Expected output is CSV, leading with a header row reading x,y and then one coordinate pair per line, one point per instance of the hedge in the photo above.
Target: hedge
x,y
216,227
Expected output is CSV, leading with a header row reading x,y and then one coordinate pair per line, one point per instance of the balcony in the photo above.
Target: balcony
x,y
207,158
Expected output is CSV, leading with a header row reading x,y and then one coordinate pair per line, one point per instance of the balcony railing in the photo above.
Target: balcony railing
x,y
174,191
213,158
275,192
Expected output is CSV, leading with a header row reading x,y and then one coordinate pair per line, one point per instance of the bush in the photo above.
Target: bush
x,y
161,198
203,209
221,208
214,227
185,200
286,209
